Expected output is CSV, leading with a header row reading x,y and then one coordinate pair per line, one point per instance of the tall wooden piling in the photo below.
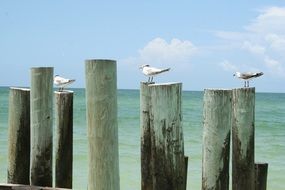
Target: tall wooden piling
x,y
216,139
101,97
261,176
19,136
41,125
167,162
146,177
64,137
243,138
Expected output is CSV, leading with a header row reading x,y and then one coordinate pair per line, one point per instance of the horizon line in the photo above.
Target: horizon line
x,y
186,90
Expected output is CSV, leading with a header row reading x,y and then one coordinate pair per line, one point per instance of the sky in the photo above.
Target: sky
x,y
203,42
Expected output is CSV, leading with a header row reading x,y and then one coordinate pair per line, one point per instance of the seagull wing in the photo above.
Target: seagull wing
x,y
60,81
153,71
249,75
246,75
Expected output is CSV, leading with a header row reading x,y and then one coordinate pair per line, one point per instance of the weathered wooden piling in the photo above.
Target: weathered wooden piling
x,y
19,136
243,138
161,115
64,137
186,158
217,116
146,177
261,176
41,125
101,97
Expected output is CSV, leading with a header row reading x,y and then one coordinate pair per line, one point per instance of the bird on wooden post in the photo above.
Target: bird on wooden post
x,y
62,82
246,76
151,71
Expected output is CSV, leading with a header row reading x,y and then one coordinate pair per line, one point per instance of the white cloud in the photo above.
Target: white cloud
x,y
264,40
276,42
269,27
253,48
271,20
227,66
160,51
230,35
275,67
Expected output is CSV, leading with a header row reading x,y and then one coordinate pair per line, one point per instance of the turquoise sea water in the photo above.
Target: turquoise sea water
x,y
269,137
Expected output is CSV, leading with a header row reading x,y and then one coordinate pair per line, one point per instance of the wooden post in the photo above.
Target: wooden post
x,y
146,177
167,161
41,125
243,138
64,134
216,139
19,136
261,176
101,97
186,171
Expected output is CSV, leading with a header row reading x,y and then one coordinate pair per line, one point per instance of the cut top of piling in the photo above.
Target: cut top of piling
x,y
100,60
64,92
217,89
164,84
38,70
245,88
41,67
20,88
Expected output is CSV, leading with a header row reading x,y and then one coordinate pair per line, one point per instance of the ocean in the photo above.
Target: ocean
x,y
269,137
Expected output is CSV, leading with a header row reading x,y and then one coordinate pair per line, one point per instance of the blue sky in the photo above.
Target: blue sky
x,y
204,42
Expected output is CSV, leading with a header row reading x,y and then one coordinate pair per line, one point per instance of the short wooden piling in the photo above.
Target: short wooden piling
x,y
41,126
186,158
243,138
216,139
64,137
101,97
261,176
146,177
19,136
167,161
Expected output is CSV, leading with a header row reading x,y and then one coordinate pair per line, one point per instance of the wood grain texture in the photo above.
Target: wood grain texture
x,y
64,139
41,125
19,136
243,138
101,97
261,170
146,177
217,114
167,160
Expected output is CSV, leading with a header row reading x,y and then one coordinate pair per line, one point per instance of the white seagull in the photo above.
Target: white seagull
x,y
246,76
62,82
151,71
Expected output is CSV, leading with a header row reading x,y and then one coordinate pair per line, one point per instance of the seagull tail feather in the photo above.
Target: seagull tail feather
x,y
164,70
259,74
71,80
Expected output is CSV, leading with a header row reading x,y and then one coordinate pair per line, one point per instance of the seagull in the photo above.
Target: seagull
x,y
62,82
246,76
151,71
